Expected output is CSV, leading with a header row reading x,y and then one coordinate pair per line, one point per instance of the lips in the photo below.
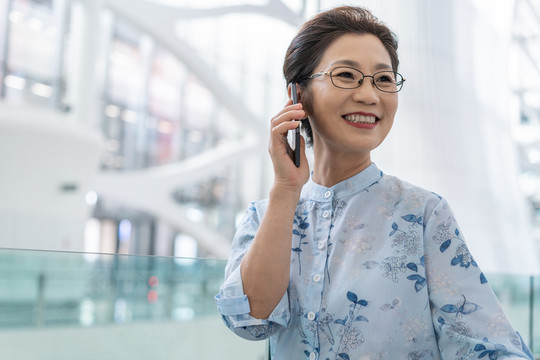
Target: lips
x,y
357,118
361,120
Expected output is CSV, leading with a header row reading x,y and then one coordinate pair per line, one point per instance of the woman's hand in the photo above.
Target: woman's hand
x,y
286,174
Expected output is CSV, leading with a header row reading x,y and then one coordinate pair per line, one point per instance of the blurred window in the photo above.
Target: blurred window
x,y
34,51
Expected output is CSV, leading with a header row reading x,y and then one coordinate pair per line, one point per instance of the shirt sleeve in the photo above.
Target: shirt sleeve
x,y
467,316
232,303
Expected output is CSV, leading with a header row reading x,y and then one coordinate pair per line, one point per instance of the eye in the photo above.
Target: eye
x,y
385,78
344,74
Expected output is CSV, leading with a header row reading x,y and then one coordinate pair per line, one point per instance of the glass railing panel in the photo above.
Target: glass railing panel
x,y
40,288
514,294
162,302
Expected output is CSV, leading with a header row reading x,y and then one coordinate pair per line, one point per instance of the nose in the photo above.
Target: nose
x,y
366,92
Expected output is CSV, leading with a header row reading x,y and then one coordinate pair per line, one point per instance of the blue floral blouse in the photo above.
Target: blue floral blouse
x,y
379,270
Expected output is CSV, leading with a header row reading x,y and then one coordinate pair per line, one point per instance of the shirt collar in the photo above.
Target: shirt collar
x,y
352,185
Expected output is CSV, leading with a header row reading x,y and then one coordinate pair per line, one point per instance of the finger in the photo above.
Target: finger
x,y
295,114
278,143
280,131
288,107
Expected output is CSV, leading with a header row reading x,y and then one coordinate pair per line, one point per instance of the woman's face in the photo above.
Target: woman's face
x,y
340,117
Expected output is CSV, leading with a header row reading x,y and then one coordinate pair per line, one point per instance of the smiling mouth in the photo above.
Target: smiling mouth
x,y
360,119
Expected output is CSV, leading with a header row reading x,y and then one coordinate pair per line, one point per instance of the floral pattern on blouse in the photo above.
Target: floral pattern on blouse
x,y
379,270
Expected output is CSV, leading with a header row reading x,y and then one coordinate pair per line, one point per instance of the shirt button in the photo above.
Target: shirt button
x,y
311,316
312,356
325,214
327,194
317,278
320,245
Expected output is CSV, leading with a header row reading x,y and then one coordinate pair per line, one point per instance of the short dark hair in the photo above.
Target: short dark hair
x,y
316,35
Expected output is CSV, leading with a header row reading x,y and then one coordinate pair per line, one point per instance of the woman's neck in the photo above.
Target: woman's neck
x,y
330,170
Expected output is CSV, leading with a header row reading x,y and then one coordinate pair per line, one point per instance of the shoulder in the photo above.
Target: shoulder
x,y
253,214
404,188
257,208
404,194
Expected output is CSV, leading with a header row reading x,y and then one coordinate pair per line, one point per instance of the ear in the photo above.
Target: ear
x,y
298,92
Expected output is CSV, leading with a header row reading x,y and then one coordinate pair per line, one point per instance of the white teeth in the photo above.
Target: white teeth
x,y
356,118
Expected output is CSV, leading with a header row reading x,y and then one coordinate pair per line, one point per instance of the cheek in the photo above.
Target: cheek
x,y
396,103
319,102
391,107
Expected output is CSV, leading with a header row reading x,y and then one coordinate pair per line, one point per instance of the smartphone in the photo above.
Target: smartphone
x,y
294,135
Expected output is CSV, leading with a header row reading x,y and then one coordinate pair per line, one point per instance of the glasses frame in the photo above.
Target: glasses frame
x,y
399,84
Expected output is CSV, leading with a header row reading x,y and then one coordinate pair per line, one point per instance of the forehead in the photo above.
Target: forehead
x,y
364,49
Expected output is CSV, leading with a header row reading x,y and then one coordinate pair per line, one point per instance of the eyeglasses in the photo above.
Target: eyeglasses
x,y
345,77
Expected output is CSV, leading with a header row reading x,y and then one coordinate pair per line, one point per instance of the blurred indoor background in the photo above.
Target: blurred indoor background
x,y
135,127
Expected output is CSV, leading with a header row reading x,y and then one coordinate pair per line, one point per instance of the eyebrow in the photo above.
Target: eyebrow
x,y
379,66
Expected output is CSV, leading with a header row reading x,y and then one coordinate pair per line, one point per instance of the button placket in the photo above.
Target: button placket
x,y
324,215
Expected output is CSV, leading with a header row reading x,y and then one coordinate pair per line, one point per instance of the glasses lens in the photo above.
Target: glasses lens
x,y
388,81
346,78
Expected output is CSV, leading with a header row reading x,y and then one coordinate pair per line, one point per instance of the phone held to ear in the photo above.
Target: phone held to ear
x,y
293,136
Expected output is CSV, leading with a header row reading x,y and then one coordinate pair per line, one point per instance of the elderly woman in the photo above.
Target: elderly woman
x,y
351,263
